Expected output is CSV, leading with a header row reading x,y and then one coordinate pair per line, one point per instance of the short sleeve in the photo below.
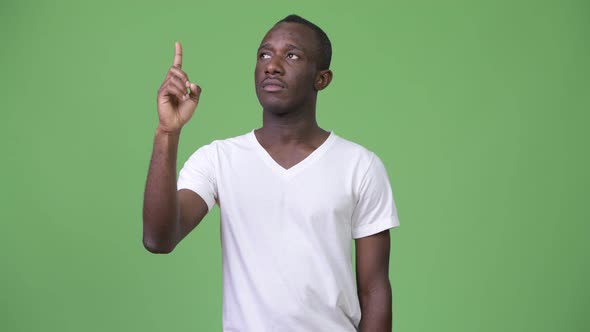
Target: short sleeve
x,y
198,175
375,210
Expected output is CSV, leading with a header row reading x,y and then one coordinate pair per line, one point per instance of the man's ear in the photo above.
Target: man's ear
x,y
323,79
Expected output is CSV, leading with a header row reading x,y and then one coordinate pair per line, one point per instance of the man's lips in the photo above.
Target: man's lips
x,y
272,84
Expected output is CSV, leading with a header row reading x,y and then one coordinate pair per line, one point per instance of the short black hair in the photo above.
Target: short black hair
x,y
325,47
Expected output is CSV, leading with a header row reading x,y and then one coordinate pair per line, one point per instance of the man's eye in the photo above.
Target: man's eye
x,y
292,56
264,56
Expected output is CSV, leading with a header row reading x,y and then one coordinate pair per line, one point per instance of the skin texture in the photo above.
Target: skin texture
x,y
287,80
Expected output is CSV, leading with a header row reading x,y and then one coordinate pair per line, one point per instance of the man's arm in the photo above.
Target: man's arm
x,y
169,215
374,289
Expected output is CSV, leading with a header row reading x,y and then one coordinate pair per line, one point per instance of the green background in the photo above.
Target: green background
x,y
479,110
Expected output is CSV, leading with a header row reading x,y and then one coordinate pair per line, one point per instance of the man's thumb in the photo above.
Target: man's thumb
x,y
195,92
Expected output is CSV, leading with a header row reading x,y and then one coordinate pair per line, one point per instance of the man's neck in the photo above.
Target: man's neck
x,y
292,128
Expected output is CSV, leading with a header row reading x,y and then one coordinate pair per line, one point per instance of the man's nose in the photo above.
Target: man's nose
x,y
274,66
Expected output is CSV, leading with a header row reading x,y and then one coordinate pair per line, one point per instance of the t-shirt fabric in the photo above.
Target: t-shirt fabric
x,y
287,234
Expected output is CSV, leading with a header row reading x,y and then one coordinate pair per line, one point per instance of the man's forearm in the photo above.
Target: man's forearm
x,y
376,309
161,228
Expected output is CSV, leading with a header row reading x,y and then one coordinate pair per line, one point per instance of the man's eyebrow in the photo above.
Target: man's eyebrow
x,y
265,45
289,47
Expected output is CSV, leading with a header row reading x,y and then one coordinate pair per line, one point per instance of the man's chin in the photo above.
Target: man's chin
x,y
276,106
276,110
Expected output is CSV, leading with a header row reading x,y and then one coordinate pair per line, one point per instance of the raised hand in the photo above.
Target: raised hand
x,y
176,105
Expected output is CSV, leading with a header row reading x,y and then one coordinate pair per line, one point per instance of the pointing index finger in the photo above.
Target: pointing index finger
x,y
178,56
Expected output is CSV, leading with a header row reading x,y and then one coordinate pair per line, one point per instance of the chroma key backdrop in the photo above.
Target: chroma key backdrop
x,y
478,109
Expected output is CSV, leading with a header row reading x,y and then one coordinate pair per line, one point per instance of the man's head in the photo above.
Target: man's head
x,y
292,65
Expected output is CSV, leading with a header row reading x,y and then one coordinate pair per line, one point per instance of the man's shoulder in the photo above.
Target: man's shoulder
x,y
237,139
352,149
221,144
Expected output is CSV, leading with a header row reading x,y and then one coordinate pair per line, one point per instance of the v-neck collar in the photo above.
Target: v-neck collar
x,y
295,169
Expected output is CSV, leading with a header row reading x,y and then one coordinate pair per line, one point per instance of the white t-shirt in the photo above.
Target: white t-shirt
x,y
287,234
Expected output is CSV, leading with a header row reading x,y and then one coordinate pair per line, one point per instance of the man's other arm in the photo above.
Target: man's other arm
x,y
374,289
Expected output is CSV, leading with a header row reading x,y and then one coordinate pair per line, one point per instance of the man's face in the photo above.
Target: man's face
x,y
286,67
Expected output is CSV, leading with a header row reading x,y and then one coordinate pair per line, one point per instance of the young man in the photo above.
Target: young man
x,y
292,198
